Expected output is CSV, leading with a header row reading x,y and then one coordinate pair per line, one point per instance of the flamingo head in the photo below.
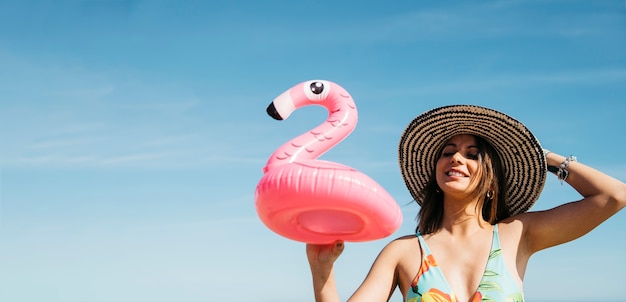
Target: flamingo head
x,y
314,92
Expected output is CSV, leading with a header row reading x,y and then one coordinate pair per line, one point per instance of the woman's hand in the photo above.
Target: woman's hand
x,y
322,256
321,259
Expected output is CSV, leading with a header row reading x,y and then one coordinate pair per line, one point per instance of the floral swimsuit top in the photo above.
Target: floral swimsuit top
x,y
497,283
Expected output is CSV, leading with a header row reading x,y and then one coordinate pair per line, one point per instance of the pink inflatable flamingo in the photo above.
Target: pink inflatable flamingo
x,y
317,201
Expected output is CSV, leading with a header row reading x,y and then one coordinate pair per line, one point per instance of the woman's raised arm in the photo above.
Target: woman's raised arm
x,y
603,196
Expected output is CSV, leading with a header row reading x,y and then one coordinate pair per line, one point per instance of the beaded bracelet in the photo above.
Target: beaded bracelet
x,y
546,152
561,171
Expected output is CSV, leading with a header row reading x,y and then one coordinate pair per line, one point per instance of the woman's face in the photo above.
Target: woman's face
x,y
458,165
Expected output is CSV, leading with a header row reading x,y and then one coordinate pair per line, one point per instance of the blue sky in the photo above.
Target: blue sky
x,y
133,133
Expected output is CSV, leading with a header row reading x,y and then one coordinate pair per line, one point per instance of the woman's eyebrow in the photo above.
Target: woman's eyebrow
x,y
454,145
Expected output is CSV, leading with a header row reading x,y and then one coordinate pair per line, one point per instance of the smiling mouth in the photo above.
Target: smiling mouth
x,y
456,174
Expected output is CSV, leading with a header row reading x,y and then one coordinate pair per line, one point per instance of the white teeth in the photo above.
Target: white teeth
x,y
454,173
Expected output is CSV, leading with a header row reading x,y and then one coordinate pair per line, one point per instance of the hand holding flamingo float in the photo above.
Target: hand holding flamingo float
x,y
316,201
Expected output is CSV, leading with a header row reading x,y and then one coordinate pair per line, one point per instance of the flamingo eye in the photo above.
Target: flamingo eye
x,y
317,87
317,90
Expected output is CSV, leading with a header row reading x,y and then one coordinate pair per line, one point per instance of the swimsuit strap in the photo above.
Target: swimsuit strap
x,y
496,238
424,247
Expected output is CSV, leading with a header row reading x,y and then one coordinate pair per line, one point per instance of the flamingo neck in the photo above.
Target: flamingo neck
x,y
341,121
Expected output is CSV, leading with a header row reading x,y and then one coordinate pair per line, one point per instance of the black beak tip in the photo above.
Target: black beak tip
x,y
271,111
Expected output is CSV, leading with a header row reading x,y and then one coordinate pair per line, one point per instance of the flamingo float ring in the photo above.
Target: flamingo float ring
x,y
315,201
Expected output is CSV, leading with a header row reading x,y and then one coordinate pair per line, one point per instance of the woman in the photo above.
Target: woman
x,y
475,173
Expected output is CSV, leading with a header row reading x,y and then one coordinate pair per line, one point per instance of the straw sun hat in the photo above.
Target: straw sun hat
x,y
519,150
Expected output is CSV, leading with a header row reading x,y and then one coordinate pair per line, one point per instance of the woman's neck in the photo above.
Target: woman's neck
x,y
462,217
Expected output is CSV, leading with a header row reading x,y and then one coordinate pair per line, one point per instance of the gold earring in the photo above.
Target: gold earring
x,y
490,194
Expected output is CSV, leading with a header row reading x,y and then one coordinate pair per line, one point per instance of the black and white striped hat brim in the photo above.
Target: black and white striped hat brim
x,y
519,150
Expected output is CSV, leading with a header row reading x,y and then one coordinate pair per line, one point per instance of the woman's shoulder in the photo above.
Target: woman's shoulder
x,y
405,253
517,224
402,244
404,238
512,226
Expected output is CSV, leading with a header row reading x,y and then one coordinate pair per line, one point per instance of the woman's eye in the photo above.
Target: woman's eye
x,y
447,154
472,156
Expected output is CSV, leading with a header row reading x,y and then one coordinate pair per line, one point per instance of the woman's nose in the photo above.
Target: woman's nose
x,y
456,158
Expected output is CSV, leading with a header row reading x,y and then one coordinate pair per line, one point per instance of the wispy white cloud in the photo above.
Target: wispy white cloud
x,y
90,118
61,143
122,152
584,77
464,20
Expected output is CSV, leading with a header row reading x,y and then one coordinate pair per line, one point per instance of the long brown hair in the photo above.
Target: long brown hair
x,y
491,191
